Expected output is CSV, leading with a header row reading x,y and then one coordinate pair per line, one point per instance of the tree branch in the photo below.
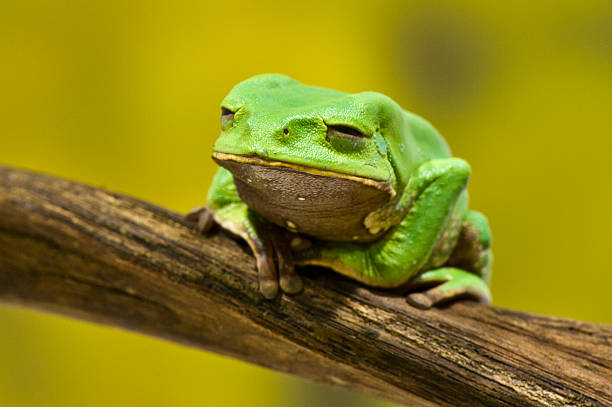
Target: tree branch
x,y
97,255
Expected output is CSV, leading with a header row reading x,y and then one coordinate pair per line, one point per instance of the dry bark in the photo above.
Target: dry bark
x,y
101,256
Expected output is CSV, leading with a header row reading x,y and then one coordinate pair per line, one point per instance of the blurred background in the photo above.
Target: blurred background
x,y
125,95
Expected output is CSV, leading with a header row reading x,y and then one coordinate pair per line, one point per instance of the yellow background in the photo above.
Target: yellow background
x,y
126,95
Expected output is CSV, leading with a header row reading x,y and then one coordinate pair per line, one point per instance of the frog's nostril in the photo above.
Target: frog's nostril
x,y
285,131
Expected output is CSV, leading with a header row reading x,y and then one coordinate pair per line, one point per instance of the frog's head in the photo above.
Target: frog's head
x,y
310,159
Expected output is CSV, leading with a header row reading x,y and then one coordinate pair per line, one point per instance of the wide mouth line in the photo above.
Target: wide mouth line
x,y
257,160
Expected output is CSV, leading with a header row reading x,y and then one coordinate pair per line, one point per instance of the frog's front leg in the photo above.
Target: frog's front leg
x,y
274,257
203,217
268,242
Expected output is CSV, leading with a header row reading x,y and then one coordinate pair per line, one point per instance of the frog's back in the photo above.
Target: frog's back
x,y
427,138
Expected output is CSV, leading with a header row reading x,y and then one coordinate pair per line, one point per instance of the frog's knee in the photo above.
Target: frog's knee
x,y
476,225
473,249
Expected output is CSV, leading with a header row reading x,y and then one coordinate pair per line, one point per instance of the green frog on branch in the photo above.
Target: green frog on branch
x,y
313,176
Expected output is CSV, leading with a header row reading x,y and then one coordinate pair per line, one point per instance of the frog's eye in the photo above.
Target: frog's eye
x,y
346,132
227,116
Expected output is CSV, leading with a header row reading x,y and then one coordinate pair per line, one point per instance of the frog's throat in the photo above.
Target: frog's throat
x,y
384,186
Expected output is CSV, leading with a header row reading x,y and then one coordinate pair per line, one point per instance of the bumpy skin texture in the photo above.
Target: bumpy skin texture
x,y
287,148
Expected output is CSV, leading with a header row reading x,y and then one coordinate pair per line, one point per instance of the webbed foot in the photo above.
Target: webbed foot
x,y
448,283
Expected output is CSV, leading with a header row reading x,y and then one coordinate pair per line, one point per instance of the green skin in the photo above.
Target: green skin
x,y
426,239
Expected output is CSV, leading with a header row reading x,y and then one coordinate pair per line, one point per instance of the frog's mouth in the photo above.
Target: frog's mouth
x,y
325,204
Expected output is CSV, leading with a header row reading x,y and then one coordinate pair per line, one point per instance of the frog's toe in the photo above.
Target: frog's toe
x,y
268,288
267,273
448,283
275,262
290,281
420,300
203,217
299,243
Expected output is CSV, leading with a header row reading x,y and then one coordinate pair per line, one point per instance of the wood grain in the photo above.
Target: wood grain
x,y
101,256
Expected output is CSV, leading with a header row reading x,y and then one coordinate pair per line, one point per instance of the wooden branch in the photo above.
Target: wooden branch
x,y
97,255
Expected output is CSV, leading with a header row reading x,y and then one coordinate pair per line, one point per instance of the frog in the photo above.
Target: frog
x,y
310,176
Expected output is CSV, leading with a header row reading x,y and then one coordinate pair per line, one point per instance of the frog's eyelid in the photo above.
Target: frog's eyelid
x,y
345,132
226,112
227,117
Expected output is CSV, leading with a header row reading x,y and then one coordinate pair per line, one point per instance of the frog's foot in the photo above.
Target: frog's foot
x,y
448,283
274,261
203,218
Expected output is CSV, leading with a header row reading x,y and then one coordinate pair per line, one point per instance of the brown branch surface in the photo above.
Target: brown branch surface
x,y
101,256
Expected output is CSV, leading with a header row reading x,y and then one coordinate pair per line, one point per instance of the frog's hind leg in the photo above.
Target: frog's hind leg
x,y
448,283
465,274
473,249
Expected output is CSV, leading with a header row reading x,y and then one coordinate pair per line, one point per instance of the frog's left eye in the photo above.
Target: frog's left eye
x,y
345,132
226,116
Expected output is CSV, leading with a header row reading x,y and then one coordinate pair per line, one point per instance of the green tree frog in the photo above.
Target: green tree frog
x,y
352,182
